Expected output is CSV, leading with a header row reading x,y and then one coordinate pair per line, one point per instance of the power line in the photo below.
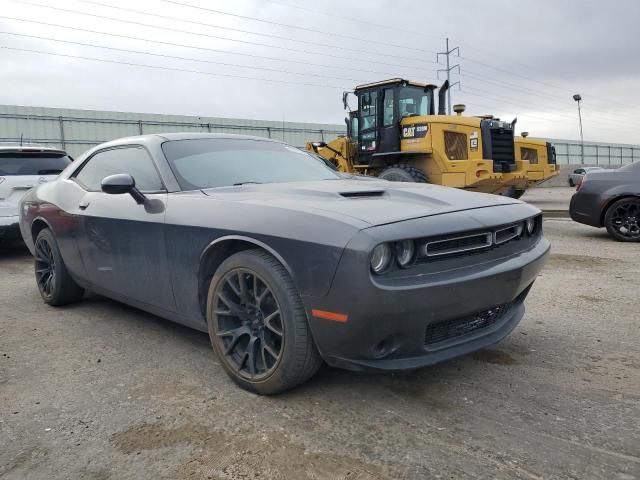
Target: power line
x,y
356,20
175,57
297,27
422,34
206,35
184,70
546,119
195,47
528,78
527,91
268,35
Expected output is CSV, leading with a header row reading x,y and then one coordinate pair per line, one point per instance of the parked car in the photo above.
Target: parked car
x,y
282,260
610,199
578,174
21,168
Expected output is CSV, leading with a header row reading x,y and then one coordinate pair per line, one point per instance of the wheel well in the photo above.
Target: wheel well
x,y
212,259
611,202
36,227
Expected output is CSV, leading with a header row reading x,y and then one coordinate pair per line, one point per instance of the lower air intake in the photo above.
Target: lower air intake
x,y
441,331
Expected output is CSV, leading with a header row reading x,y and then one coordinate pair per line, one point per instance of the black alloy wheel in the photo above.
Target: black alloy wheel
x,y
55,284
622,220
45,265
249,324
258,325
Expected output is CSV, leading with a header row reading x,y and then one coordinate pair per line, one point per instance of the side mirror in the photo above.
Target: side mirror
x,y
122,183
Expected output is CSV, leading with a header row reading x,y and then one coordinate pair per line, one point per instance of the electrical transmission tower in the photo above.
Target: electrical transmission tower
x,y
448,70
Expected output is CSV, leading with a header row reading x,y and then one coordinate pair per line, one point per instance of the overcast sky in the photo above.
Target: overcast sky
x,y
517,58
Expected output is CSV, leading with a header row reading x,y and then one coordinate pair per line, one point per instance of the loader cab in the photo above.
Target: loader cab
x,y
381,107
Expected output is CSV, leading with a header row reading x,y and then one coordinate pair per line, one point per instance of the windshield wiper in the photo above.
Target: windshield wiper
x,y
244,183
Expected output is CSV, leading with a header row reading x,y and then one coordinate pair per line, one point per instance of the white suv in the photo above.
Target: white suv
x,y
21,168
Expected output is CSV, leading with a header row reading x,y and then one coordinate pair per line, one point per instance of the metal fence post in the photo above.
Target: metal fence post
x,y
269,132
140,126
62,139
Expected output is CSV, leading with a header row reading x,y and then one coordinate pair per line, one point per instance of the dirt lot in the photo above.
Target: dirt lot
x,y
99,390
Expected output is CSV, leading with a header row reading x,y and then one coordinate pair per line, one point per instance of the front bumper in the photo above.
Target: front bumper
x,y
398,328
10,228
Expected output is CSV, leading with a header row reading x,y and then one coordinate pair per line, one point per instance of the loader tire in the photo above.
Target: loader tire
x,y
403,173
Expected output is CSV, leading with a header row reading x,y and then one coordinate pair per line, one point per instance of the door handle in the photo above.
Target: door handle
x,y
83,205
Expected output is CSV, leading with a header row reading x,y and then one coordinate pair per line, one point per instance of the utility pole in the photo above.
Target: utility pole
x,y
448,70
578,99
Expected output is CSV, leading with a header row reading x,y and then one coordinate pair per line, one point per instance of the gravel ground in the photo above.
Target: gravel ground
x,y
99,390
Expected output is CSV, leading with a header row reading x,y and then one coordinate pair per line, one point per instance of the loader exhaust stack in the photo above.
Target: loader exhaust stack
x,y
442,97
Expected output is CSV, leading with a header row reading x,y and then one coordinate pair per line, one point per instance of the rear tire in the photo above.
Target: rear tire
x,y
622,220
516,193
403,173
258,326
54,282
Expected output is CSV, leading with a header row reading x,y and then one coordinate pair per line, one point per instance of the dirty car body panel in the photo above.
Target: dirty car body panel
x,y
157,256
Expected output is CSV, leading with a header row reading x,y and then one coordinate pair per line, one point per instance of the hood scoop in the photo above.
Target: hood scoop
x,y
363,194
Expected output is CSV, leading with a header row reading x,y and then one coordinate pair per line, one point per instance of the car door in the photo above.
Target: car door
x,y
122,243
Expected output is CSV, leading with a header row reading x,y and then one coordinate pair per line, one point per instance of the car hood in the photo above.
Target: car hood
x,y
374,202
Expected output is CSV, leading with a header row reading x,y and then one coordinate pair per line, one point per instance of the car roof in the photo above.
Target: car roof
x,y
29,148
163,137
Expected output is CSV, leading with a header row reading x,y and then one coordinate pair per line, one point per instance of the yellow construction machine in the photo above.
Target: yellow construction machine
x,y
537,159
396,134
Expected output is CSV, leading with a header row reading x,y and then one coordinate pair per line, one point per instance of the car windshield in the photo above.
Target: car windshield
x,y
210,163
32,163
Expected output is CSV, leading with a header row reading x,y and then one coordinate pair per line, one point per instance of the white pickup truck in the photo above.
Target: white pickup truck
x,y
21,168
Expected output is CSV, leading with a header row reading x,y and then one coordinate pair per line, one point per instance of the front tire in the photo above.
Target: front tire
x,y
403,173
571,183
54,282
516,193
622,220
258,326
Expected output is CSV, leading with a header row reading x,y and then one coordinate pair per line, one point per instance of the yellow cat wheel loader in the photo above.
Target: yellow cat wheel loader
x,y
396,134
537,158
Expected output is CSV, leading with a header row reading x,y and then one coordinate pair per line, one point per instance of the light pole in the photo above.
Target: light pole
x,y
578,99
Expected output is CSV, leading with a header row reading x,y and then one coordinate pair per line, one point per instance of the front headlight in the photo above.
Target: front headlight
x,y
405,251
380,258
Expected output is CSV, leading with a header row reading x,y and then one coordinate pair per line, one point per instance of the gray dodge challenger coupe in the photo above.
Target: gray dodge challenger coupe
x,y
283,261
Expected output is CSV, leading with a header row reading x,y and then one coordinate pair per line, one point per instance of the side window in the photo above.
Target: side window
x,y
388,116
132,160
529,154
368,103
354,126
579,171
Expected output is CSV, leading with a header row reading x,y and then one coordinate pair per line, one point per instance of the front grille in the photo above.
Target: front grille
x,y
441,331
497,144
456,245
455,145
508,233
502,149
448,329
